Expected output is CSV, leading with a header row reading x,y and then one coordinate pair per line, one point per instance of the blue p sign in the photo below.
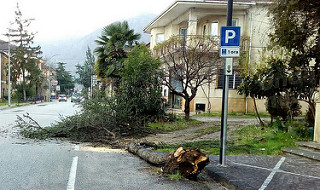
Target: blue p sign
x,y
230,36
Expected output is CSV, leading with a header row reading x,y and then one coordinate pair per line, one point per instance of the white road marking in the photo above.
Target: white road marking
x,y
73,172
279,171
269,178
77,147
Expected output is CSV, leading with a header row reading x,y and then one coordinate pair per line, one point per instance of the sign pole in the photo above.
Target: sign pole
x,y
222,158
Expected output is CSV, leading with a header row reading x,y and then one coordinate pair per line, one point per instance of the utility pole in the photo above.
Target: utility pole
x,y
224,114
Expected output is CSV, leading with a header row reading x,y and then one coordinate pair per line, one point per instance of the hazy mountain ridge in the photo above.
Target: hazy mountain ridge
x,y
73,51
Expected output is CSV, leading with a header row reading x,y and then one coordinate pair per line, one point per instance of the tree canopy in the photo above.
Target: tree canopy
x,y
188,63
86,70
64,78
25,58
296,25
115,39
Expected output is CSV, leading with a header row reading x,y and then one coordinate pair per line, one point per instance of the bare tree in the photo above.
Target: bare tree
x,y
189,62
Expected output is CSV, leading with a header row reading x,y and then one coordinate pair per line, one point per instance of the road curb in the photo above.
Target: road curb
x,y
221,179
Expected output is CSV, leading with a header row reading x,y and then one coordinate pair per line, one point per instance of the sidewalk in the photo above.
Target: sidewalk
x,y
265,172
15,105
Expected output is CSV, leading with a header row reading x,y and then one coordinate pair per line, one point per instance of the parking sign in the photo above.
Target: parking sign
x,y
230,41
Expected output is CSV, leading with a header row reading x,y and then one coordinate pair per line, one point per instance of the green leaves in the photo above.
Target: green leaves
x,y
64,78
114,39
25,58
85,71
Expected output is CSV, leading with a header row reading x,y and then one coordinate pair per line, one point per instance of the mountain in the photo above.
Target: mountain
x,y
73,51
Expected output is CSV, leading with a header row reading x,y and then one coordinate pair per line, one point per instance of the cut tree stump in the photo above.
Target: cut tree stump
x,y
188,162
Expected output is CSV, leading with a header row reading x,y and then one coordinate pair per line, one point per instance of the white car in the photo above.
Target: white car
x,y
62,98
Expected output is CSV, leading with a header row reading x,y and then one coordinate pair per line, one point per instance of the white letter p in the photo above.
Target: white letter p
x,y
228,36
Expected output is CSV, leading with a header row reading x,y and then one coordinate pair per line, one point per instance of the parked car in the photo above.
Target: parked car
x,y
75,98
62,98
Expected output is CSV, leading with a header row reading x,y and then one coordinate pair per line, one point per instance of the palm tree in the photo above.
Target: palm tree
x,y
115,39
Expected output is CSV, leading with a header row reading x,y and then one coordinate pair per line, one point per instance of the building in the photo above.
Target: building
x,y
47,73
204,18
41,89
3,69
3,75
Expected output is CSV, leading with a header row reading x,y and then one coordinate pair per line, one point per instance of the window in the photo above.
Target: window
x,y
183,33
234,80
165,92
176,84
159,38
204,30
235,22
214,29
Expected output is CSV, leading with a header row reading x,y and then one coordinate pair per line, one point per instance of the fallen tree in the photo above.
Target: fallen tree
x,y
188,162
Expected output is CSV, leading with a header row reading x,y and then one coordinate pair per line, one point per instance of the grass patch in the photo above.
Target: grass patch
x,y
163,127
13,103
208,130
176,176
265,142
250,140
3,103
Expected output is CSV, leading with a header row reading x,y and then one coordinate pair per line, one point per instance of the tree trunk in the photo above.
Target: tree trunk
x,y
257,112
155,158
24,86
24,93
187,109
188,162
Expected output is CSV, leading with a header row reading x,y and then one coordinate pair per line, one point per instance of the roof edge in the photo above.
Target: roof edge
x,y
147,29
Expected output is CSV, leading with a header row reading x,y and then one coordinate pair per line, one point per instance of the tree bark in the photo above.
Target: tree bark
x,y
257,112
155,158
187,109
188,162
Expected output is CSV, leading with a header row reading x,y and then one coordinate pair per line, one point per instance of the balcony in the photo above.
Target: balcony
x,y
183,43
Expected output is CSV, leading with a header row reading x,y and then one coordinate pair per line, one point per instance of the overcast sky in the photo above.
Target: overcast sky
x,y
60,19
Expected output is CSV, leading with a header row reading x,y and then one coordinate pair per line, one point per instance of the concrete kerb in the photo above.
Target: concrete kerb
x,y
265,172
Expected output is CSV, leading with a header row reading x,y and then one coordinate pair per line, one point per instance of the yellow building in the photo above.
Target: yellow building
x,y
3,69
204,18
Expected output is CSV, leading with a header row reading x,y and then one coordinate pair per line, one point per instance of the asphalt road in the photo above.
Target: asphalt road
x,y
56,164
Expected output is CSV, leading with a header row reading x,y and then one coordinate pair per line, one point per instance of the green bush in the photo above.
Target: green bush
x,y
135,103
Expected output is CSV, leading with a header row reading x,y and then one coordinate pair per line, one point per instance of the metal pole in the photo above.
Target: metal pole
x,y
49,85
224,114
9,75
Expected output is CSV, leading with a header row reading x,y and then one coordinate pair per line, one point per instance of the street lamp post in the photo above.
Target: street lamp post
x,y
49,85
9,75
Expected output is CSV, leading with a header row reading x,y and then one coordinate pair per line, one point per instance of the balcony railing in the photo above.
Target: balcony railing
x,y
184,42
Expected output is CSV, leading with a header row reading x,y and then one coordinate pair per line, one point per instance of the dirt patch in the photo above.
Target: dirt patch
x,y
191,134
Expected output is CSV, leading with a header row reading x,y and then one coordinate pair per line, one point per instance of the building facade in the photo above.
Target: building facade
x,y
3,76
4,69
204,18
